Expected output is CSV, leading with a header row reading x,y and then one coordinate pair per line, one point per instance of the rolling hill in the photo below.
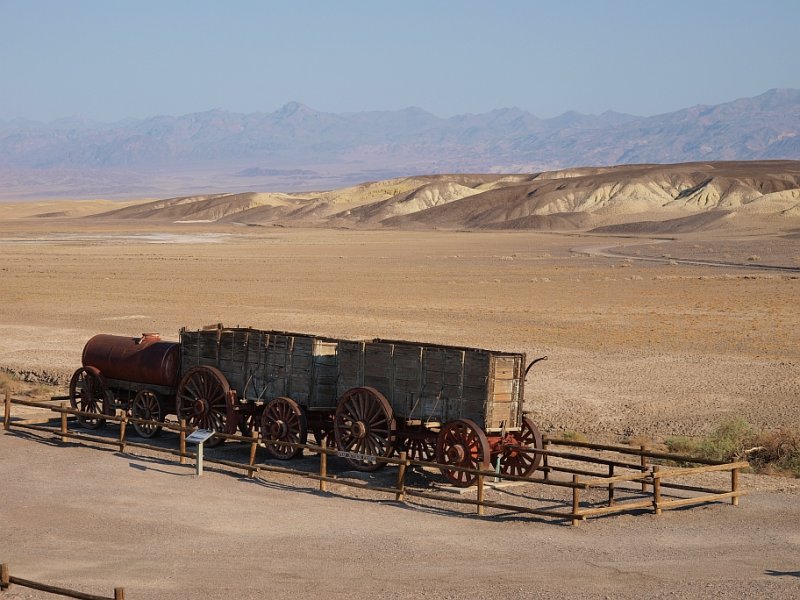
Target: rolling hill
x,y
621,199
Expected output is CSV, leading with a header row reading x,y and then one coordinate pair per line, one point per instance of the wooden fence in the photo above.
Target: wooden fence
x,y
624,469
7,580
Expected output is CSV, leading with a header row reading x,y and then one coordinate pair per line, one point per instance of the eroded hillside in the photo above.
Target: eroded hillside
x,y
624,199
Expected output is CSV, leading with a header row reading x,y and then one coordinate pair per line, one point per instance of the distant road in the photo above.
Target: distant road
x,y
605,250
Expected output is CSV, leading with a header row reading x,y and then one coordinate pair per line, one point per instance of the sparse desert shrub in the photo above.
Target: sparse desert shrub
x,y
777,451
6,383
754,257
573,436
727,442
773,451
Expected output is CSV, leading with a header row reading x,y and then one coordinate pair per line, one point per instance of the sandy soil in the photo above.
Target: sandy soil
x,y
635,349
92,519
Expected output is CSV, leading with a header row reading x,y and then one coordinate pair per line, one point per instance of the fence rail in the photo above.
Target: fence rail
x,y
651,478
7,580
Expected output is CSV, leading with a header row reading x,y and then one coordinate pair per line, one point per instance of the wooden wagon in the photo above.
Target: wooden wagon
x,y
453,405
460,407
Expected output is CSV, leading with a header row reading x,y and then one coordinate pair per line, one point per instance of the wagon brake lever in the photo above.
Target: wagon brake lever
x,y
533,362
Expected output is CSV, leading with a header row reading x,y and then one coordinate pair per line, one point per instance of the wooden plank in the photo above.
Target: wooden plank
x,y
699,499
501,387
617,508
663,474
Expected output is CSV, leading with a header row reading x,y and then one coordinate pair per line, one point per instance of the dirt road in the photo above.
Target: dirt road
x,y
93,519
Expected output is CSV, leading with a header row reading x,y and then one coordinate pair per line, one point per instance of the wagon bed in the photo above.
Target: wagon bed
x,y
424,384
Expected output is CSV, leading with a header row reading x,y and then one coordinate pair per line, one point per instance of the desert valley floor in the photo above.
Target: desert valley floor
x,y
637,349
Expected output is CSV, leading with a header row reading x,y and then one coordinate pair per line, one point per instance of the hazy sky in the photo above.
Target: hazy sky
x,y
107,60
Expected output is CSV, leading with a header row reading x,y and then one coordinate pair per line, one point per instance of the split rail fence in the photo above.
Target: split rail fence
x,y
7,580
613,479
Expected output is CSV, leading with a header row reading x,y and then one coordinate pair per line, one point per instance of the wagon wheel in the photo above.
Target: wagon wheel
x,y
324,438
462,444
249,417
202,400
147,405
419,446
87,393
519,463
363,424
284,421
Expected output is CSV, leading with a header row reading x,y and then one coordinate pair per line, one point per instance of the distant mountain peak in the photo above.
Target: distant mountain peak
x,y
77,157
293,108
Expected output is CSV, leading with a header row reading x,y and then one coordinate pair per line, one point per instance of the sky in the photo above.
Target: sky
x,y
112,59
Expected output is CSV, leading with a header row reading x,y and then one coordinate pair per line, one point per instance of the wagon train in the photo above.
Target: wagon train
x,y
456,406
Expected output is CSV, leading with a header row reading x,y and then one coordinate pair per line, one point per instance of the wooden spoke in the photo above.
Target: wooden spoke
x,y
203,400
87,393
363,424
284,421
147,405
462,444
521,463
419,445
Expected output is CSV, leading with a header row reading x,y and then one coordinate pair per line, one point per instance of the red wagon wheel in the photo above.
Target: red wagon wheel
x,y
284,421
202,400
87,393
148,406
518,462
363,424
462,444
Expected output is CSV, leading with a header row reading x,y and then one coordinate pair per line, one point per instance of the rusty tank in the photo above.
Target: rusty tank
x,y
147,359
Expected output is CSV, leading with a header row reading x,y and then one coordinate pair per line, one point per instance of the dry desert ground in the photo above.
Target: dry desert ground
x,y
637,349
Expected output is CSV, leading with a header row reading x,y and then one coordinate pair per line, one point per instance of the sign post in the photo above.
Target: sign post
x,y
199,437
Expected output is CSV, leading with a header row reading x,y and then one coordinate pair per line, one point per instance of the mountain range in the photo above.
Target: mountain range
x,y
298,148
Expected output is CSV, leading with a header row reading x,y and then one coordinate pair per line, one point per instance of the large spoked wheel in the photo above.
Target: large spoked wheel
x,y
519,462
462,444
283,421
87,393
202,400
363,424
419,445
148,406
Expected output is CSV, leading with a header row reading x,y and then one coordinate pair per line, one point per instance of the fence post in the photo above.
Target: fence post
x,y
611,486
401,477
123,428
7,411
119,593
656,490
63,423
253,446
481,509
576,501
735,486
323,469
5,577
644,465
183,441
545,462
